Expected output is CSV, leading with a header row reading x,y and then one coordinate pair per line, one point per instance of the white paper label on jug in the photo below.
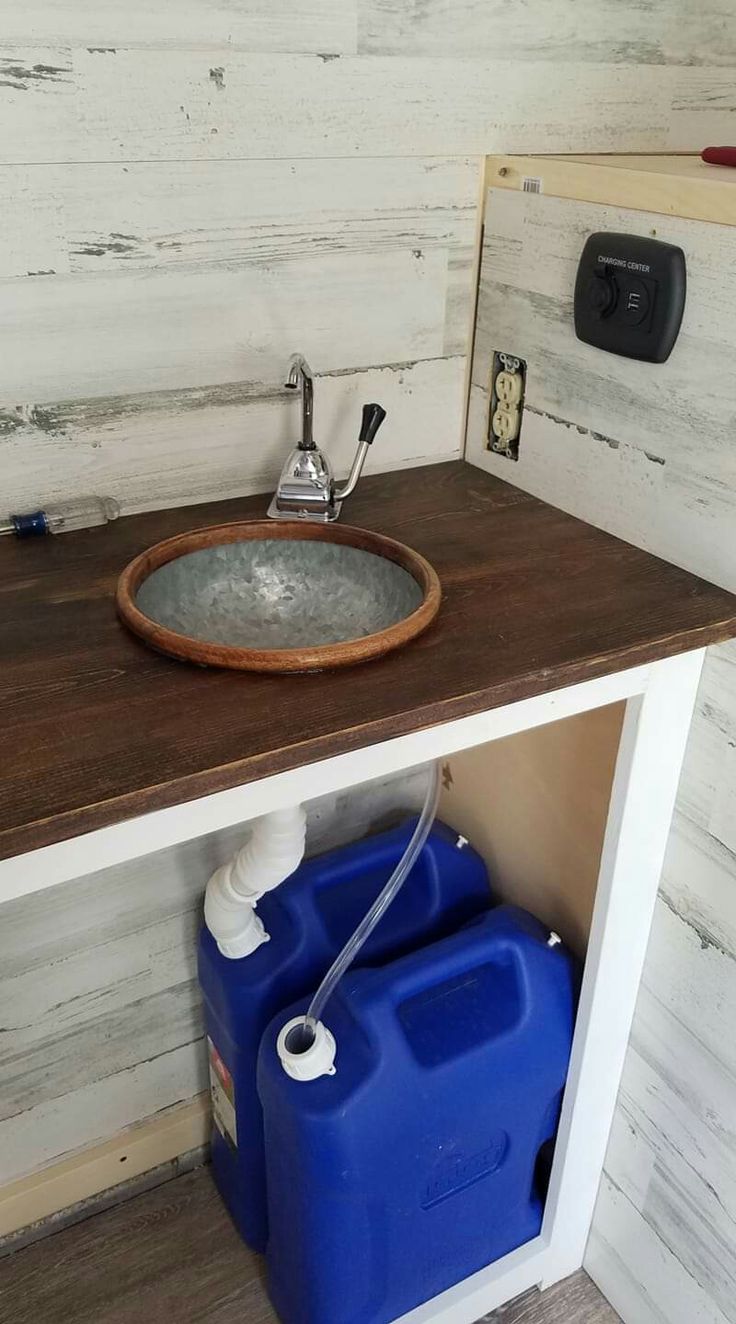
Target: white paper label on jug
x,y
222,1091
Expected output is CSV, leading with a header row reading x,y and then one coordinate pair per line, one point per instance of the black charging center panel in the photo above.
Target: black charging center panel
x,y
630,295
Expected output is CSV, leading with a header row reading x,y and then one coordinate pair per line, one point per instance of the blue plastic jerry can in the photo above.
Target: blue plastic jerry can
x,y
419,1161
309,918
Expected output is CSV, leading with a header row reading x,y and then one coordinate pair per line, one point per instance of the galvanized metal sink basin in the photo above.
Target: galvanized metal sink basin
x,y
291,597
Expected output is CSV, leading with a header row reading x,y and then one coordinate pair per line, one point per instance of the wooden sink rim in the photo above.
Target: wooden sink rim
x,y
345,653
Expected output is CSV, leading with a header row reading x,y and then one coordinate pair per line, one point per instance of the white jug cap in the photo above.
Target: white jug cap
x,y
316,1060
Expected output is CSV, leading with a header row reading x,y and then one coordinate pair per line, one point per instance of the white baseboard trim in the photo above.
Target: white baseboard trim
x,y
110,1163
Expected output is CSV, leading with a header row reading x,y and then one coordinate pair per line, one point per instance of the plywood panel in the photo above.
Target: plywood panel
x,y
536,805
58,104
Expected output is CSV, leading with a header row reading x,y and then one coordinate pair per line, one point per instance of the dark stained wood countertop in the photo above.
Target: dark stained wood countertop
x,y
96,728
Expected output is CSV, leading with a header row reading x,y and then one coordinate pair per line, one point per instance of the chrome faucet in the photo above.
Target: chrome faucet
x,y
306,488
300,372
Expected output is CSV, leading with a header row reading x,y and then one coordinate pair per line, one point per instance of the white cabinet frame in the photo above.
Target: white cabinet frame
x,y
660,698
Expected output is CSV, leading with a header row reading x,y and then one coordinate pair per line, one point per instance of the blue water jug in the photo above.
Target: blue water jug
x,y
309,919
418,1162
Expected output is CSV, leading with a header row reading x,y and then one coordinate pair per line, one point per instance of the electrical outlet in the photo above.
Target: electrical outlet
x,y
508,389
505,424
508,384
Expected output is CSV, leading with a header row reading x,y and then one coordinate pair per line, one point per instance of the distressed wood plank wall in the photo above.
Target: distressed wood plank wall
x,y
198,191
647,452
118,104
167,298
101,1020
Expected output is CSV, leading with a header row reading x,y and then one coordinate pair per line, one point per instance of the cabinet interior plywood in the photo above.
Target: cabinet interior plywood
x,y
535,806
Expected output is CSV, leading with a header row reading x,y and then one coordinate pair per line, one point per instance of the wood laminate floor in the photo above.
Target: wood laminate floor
x,y
173,1255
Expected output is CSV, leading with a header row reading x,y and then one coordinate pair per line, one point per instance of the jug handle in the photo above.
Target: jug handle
x,y
414,978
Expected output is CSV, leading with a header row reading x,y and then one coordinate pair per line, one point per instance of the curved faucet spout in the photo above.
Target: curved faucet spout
x,y
301,373
306,488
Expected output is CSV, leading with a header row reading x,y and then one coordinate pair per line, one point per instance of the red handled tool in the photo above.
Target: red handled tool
x,y
719,156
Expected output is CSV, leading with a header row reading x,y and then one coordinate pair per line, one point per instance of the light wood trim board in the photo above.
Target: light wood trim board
x,y
134,1151
672,185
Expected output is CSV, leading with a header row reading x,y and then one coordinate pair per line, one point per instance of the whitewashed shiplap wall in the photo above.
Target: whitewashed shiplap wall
x,y
168,448
610,32
197,191
647,452
618,31
163,302
664,1237
116,103
101,1020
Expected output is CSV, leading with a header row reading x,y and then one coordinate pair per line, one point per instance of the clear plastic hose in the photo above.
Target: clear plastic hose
x,y
379,907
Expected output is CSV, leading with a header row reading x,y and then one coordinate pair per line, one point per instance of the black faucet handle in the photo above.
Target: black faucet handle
x,y
373,416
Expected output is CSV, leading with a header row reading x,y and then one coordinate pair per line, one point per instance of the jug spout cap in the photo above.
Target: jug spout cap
x,y
305,1055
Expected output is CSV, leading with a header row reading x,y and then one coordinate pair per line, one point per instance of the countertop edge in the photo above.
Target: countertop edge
x,y
90,818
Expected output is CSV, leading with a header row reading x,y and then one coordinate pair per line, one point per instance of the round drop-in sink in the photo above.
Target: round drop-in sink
x,y
262,596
